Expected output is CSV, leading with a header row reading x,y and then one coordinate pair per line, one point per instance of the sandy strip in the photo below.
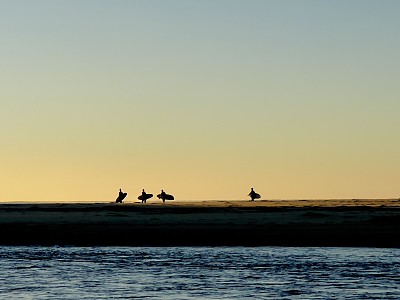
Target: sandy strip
x,y
351,222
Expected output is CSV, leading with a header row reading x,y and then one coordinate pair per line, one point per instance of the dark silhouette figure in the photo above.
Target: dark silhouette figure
x,y
253,195
144,196
121,196
164,196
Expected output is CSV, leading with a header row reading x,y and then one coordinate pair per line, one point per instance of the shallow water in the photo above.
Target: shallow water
x,y
199,273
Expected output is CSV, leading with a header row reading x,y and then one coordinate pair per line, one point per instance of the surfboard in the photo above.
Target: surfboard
x,y
254,195
121,197
166,197
169,197
147,196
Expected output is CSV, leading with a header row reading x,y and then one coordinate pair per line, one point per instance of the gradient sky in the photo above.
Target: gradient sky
x,y
204,99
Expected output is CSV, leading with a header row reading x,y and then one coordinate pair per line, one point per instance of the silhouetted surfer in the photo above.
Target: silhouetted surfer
x,y
164,196
253,195
144,196
121,196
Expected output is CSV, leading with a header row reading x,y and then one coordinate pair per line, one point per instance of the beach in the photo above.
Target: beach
x,y
332,222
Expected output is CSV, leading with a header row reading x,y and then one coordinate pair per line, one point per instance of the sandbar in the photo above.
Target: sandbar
x,y
319,223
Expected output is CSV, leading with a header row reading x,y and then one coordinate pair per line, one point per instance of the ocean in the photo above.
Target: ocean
x,y
199,273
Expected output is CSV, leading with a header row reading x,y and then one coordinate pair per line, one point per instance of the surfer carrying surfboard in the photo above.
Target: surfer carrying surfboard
x,y
144,196
121,196
253,195
164,196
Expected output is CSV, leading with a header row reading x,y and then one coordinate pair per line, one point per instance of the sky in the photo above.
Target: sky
x,y
204,99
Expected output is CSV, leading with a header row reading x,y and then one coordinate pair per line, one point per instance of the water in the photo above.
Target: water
x,y
199,273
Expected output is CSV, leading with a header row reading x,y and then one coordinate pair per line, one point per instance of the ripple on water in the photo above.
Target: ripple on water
x,y
199,273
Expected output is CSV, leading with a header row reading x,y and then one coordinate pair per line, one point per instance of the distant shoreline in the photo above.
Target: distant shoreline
x,y
332,202
351,222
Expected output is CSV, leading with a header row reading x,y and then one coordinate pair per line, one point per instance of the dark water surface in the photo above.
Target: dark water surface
x,y
199,273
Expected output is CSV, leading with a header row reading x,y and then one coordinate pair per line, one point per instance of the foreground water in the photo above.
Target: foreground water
x,y
199,273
